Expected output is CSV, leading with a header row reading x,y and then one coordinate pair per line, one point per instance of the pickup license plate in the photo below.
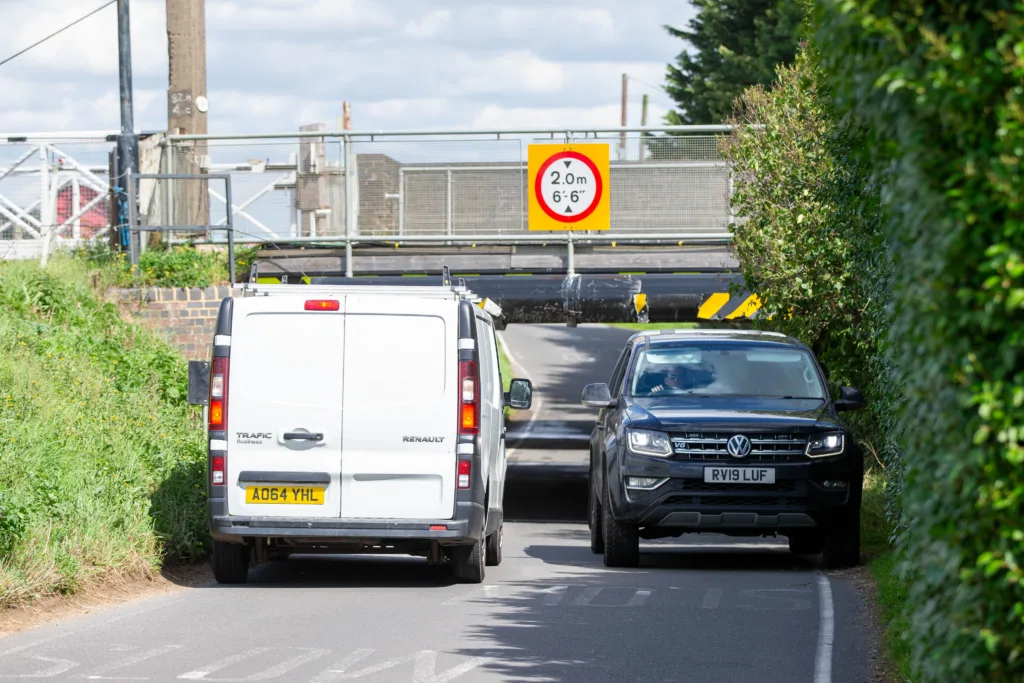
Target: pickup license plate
x,y
739,475
284,495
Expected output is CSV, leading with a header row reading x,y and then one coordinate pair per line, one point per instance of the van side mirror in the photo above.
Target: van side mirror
x,y
520,394
198,382
849,399
598,396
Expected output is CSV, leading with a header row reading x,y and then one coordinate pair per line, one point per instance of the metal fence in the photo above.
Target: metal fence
x,y
665,181
314,185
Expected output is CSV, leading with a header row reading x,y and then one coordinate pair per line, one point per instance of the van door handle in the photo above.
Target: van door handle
x,y
302,436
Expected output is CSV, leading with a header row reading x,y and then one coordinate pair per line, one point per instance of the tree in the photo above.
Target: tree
x,y
737,44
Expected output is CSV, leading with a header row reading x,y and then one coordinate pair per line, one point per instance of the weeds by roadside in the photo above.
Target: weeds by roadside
x,y
101,458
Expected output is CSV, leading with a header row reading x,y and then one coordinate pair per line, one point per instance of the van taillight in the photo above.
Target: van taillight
x,y
217,470
463,478
469,397
218,394
323,305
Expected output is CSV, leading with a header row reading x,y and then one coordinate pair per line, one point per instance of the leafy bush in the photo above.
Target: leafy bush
x,y
101,459
940,85
179,266
809,239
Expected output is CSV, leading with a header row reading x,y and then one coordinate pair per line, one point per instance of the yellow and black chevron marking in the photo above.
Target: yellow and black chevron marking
x,y
722,306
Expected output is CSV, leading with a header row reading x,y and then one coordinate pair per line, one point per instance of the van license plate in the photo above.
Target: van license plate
x,y
739,475
284,495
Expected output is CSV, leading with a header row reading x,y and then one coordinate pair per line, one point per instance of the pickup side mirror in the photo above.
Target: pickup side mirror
x,y
198,382
597,396
849,399
520,394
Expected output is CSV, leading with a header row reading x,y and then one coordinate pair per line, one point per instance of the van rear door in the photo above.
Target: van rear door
x,y
399,427
284,408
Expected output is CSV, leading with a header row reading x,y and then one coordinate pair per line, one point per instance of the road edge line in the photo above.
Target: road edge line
x,y
538,403
826,632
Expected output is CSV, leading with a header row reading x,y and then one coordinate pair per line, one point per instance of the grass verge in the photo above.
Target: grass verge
x,y
892,596
506,373
101,458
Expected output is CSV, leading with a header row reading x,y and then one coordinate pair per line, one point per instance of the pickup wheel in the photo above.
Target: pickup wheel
x,y
468,562
230,562
842,539
594,512
621,540
806,542
493,558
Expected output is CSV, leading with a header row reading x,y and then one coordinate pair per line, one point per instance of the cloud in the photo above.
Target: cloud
x,y
403,64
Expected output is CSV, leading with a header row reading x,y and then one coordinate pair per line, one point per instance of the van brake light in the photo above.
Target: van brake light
x,y
323,305
463,478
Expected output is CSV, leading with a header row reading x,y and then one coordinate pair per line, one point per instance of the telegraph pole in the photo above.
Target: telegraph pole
x,y
622,142
643,124
187,106
127,143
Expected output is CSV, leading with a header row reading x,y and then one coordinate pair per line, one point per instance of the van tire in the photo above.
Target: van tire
x,y
230,562
468,562
493,558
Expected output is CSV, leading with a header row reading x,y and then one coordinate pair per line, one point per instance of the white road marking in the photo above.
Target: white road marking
x,y
129,661
59,666
311,654
489,591
554,595
343,665
712,597
426,665
639,598
424,668
826,632
585,598
538,403
200,674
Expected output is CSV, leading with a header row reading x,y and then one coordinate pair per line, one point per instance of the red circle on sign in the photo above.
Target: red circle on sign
x,y
598,187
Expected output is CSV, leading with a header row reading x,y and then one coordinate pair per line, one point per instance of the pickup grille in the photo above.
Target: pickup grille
x,y
765,447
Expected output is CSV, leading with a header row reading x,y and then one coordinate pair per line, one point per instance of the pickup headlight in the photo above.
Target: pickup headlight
x,y
821,445
647,442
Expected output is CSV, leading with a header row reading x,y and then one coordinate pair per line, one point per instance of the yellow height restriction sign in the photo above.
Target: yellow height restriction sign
x,y
568,187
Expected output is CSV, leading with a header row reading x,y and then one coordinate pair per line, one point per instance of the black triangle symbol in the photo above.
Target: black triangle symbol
x,y
568,209
567,164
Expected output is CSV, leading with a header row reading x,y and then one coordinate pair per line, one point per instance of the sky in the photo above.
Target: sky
x,y
273,65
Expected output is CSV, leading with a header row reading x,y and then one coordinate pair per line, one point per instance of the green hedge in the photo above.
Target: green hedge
x,y
809,235
941,86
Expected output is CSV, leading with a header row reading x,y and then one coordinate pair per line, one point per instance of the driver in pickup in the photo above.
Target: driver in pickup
x,y
671,378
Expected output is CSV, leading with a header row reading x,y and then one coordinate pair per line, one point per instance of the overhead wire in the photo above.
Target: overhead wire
x,y
58,31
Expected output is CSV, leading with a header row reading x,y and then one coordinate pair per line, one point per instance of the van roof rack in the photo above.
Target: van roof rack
x,y
443,290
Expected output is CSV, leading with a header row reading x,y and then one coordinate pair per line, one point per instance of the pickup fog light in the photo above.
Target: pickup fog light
x,y
826,444
646,483
834,484
646,442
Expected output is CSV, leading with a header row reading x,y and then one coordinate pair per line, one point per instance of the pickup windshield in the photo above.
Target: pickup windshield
x,y
725,369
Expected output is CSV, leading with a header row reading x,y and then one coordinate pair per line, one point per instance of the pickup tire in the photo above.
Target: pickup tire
x,y
594,513
230,562
493,558
468,562
621,540
842,539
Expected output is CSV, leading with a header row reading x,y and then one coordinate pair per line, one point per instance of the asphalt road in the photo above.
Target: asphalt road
x,y
559,361
702,609
707,611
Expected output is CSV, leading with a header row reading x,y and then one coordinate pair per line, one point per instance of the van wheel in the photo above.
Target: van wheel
x,y
230,562
468,562
621,540
493,558
596,534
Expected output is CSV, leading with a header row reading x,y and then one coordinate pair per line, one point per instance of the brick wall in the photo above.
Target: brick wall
x,y
183,316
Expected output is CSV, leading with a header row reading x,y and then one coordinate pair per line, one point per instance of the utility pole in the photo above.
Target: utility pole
x,y
186,108
127,143
622,142
643,124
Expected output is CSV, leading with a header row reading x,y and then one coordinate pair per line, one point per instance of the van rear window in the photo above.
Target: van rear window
x,y
290,358
396,360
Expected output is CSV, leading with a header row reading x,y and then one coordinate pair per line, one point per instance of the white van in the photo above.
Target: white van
x,y
355,419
